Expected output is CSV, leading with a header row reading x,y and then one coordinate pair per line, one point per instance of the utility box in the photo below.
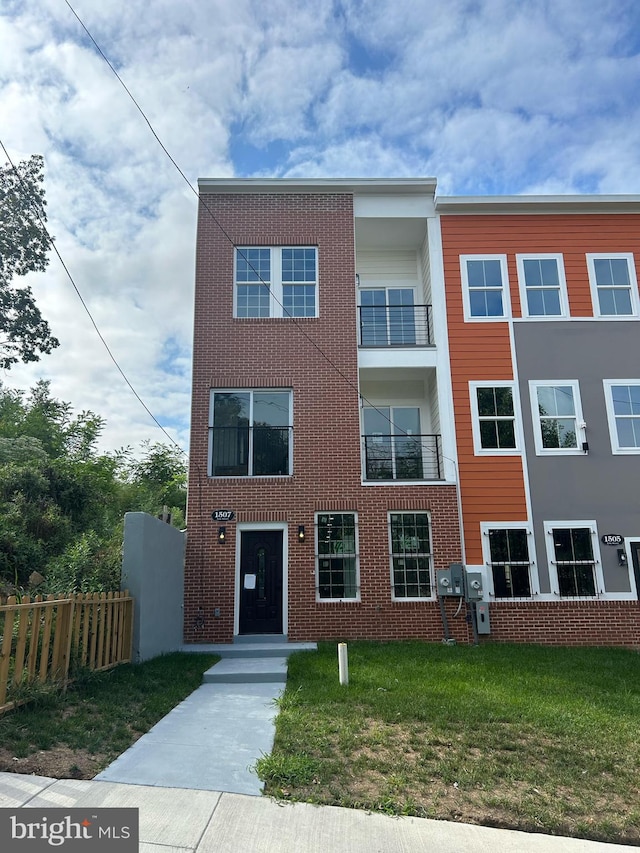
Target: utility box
x,y
451,581
475,588
482,617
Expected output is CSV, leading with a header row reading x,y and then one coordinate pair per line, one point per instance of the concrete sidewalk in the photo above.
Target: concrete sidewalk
x,y
176,820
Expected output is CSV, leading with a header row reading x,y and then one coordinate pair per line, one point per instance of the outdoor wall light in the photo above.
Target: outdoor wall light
x,y
622,557
301,536
222,534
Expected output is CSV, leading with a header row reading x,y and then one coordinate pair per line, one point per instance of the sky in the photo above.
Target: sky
x,y
488,96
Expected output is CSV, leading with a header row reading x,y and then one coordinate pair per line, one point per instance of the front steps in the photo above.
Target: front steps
x,y
262,670
250,659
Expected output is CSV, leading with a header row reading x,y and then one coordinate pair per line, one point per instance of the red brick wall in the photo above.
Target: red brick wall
x,y
317,358
566,623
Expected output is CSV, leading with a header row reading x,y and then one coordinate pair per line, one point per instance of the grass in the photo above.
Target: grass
x,y
103,713
532,738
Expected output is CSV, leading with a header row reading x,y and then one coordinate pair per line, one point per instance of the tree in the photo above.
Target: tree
x,y
24,243
157,479
62,502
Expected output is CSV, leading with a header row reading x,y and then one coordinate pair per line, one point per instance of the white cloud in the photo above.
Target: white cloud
x,y
486,95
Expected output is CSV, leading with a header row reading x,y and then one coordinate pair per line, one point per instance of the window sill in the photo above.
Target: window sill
x,y
408,600
338,600
511,451
272,319
240,478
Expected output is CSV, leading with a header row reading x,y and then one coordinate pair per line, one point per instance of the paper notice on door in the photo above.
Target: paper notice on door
x,y
249,581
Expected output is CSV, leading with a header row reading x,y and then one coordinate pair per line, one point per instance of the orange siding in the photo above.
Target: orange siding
x,y
492,487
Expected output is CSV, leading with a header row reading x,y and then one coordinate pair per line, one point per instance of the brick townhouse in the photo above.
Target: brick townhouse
x,y
373,364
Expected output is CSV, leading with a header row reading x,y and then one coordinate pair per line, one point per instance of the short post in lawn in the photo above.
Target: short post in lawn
x,y
343,663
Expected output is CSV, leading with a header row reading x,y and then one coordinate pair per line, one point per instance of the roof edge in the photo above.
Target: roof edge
x,y
361,186
510,204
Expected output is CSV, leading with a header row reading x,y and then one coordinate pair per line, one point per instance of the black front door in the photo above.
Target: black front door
x,y
635,558
261,582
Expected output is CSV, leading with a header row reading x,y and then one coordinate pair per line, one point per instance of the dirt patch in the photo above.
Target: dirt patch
x,y
59,762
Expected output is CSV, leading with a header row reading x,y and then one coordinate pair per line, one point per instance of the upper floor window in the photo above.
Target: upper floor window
x,y
493,418
557,417
543,290
389,317
250,433
411,572
614,288
622,397
276,282
485,287
394,447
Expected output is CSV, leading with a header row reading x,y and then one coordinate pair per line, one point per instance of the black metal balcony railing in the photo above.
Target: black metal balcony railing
x,y
242,451
402,457
395,326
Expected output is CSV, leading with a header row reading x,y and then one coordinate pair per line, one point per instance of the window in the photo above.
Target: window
x,y
277,282
543,290
623,411
387,317
484,283
614,289
250,433
557,417
394,448
337,556
410,555
510,561
494,418
572,551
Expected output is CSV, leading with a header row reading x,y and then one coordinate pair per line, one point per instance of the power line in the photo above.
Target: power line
x,y
35,208
224,232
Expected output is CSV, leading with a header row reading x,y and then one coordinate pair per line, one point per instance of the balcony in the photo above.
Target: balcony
x,y
395,326
402,458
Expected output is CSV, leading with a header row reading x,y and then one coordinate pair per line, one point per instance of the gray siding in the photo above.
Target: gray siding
x,y
599,486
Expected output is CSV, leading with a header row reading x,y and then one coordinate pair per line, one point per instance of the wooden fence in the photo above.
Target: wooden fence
x,y
45,640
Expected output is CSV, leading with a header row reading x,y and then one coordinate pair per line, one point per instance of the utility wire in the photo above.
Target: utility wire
x,y
226,235
197,194
38,213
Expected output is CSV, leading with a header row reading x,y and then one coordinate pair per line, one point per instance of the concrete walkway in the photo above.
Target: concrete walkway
x,y
186,821
212,740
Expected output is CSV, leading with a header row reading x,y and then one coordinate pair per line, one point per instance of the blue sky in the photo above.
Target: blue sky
x,y
488,96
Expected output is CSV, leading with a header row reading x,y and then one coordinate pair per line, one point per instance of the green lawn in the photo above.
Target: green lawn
x,y
533,738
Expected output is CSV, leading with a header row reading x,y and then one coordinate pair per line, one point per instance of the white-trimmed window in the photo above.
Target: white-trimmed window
x,y
622,397
543,288
493,408
485,286
250,433
558,426
508,550
574,558
614,287
276,282
337,571
411,560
